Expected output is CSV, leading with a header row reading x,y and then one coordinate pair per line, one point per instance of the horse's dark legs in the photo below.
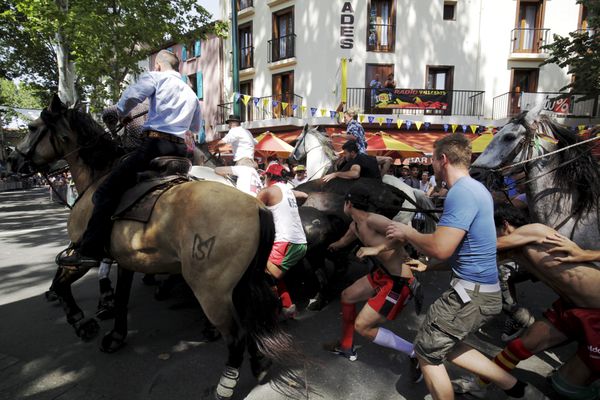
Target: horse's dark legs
x,y
85,329
259,364
115,339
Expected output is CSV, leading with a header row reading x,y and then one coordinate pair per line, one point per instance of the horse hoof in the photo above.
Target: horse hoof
x,y
112,341
227,383
317,304
211,334
51,296
105,312
87,330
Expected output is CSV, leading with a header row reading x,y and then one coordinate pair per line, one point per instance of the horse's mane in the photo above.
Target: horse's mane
x,y
97,148
578,167
325,141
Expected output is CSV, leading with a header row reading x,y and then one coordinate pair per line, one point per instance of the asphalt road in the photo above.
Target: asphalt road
x,y
166,357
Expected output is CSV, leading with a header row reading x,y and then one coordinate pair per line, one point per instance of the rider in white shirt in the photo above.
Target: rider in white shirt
x,y
242,142
248,180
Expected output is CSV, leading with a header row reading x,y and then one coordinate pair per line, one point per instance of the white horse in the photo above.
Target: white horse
x,y
315,145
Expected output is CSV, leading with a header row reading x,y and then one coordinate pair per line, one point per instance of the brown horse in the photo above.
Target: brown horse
x,y
217,237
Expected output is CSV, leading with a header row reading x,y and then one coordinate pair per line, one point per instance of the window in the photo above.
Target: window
x,y
528,34
195,82
440,77
282,45
449,11
283,91
190,49
242,4
381,32
245,45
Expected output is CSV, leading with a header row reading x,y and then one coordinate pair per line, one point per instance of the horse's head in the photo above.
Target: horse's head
x,y
299,152
45,142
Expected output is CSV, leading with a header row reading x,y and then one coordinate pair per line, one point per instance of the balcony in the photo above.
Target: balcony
x,y
282,48
416,101
381,37
525,40
243,4
260,111
565,104
246,57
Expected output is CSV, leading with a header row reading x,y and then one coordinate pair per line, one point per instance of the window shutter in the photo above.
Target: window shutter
x,y
197,48
199,84
202,133
183,58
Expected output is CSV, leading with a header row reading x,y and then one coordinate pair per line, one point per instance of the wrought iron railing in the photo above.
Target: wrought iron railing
x,y
246,57
261,108
242,4
511,104
459,102
282,47
381,37
527,40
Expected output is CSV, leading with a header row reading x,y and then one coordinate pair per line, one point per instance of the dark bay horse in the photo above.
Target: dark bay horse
x,y
563,188
193,230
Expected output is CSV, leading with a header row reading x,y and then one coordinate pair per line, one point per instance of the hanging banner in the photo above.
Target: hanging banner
x,y
419,99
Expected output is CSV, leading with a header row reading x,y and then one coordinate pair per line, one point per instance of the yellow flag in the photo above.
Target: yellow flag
x,y
454,126
399,123
361,118
473,128
380,120
418,124
246,99
323,112
302,109
284,105
265,103
581,127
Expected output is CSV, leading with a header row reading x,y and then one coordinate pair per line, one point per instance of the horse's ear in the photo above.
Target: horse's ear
x,y
56,105
533,115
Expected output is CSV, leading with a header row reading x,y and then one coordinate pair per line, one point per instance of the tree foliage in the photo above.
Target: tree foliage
x,y
19,95
105,39
580,54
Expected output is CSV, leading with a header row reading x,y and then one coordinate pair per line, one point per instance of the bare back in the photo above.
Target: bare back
x,y
576,282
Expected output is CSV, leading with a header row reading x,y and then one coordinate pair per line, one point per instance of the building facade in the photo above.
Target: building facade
x,y
453,62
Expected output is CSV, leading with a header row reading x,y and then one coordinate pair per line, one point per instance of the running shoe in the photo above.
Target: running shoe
x,y
335,348
289,312
415,370
516,324
469,385
531,393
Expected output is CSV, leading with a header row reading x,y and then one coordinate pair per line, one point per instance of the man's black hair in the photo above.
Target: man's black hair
x,y
350,145
515,216
359,196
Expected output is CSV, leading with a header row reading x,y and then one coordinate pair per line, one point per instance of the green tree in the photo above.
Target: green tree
x,y
580,54
18,95
96,44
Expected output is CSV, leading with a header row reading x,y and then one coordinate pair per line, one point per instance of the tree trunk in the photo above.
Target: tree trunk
x,y
66,68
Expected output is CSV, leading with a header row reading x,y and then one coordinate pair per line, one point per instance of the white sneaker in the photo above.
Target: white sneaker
x,y
469,385
531,393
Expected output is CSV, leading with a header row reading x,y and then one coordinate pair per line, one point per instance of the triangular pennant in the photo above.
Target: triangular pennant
x,y
302,109
473,128
380,120
454,126
581,127
332,114
426,125
323,112
313,111
246,99
389,122
464,128
294,107
284,105
275,103
236,97
418,124
361,118
265,103
255,101
371,119
446,126
399,123
408,124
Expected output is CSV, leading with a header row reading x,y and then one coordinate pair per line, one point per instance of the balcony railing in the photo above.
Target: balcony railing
x,y
513,103
525,40
282,47
588,31
246,57
243,4
260,111
381,37
458,102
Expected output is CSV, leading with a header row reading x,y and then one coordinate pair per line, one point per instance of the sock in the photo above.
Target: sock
x,y
348,317
390,340
517,391
508,358
104,269
284,295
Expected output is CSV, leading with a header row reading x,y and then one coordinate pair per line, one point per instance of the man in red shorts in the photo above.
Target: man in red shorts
x,y
575,316
290,240
387,288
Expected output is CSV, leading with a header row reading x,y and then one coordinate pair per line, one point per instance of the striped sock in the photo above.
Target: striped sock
x,y
508,358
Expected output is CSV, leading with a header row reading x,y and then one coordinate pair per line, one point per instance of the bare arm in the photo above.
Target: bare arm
x,y
300,195
347,239
440,244
574,252
224,171
384,164
265,196
379,224
352,173
523,235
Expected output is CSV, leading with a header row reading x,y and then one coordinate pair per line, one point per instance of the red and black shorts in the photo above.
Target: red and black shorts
x,y
392,293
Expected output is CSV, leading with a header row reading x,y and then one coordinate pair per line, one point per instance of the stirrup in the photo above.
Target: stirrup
x,y
85,264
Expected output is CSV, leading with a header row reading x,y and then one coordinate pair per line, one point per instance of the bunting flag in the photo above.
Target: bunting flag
x,y
246,99
303,110
361,118
265,102
284,105
313,111
408,124
418,124
236,97
426,125
454,126
581,127
446,126
473,128
464,128
399,123
389,121
380,120
294,107
332,114
275,103
371,119
255,101
323,112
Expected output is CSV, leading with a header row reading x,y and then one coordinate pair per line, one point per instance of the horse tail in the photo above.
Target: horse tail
x,y
257,305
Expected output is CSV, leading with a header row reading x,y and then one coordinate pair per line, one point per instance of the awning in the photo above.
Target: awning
x,y
384,144
479,144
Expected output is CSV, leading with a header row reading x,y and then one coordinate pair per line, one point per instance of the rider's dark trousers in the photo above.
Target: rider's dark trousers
x,y
122,177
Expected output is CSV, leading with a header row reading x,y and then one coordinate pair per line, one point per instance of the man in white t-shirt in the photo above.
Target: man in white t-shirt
x,y
242,142
300,176
248,180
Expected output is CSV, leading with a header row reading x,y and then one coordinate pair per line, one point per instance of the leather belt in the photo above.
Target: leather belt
x,y
164,136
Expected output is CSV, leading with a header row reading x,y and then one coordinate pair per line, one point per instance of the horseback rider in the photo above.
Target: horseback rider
x,y
174,111
358,165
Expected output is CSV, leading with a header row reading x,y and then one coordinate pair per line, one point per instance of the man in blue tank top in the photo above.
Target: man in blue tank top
x,y
464,240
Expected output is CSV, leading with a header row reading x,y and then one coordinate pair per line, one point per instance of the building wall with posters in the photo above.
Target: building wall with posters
x,y
466,45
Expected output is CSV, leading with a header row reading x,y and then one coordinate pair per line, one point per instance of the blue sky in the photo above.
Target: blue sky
x,y
212,6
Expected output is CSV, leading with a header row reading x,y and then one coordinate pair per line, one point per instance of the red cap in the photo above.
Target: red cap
x,y
274,169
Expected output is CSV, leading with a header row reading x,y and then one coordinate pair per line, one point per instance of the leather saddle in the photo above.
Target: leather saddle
x,y
164,173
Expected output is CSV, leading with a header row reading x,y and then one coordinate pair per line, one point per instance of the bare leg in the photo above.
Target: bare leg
x,y
477,363
437,380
